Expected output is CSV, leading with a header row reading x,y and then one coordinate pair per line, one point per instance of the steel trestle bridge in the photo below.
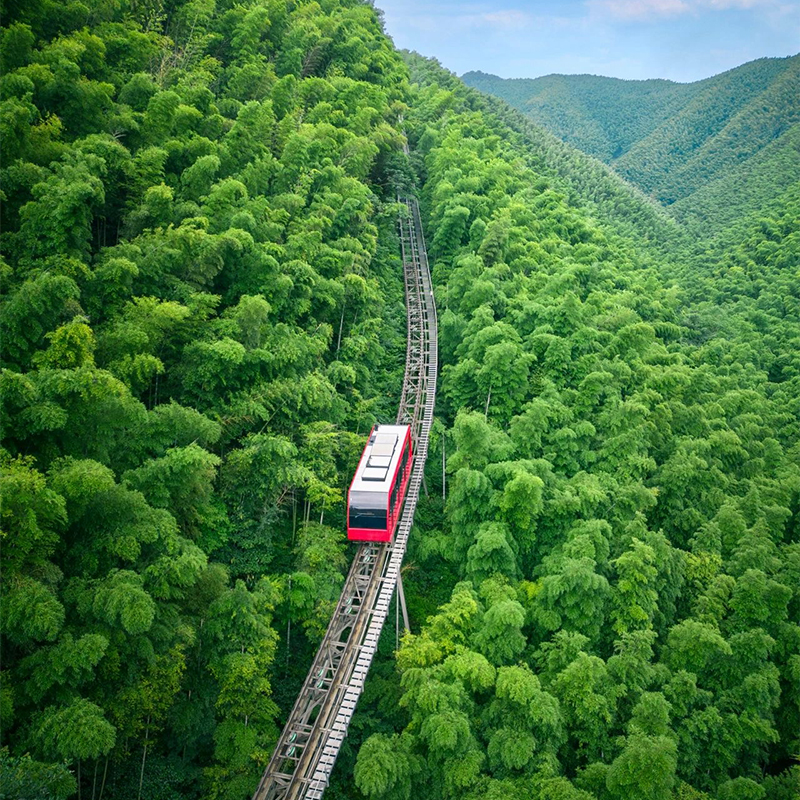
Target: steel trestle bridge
x,y
303,760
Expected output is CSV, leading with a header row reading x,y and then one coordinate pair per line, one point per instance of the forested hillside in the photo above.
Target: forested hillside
x,y
621,520
736,131
202,317
612,203
601,116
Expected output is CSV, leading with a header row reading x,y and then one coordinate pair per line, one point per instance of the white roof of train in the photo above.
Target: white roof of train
x,y
379,460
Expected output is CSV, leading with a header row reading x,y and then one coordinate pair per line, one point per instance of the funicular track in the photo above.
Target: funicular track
x,y
308,746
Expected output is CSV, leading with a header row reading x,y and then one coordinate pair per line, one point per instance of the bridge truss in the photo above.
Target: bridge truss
x,y
304,757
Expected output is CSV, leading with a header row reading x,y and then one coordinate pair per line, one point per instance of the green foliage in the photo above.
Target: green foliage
x,y
385,767
76,731
712,151
31,512
644,769
31,612
201,315
622,479
22,777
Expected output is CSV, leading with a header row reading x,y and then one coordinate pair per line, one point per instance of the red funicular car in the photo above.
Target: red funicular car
x,y
379,486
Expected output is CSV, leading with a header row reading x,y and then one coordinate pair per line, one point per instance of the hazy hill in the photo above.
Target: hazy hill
x,y
673,140
612,202
601,116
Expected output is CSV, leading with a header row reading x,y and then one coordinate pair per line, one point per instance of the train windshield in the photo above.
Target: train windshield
x,y
368,510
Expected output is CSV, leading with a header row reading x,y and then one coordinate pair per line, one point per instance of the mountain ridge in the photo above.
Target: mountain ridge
x,y
669,139
624,80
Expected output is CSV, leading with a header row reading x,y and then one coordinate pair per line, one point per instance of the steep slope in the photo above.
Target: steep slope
x,y
601,116
620,529
615,204
754,187
729,119
202,314
674,140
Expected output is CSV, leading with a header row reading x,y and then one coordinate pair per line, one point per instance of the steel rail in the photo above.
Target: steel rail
x,y
304,757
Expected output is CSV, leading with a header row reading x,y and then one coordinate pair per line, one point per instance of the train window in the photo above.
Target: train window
x,y
395,492
406,459
368,510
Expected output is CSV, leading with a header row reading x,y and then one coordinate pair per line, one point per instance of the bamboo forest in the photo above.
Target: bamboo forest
x,y
203,317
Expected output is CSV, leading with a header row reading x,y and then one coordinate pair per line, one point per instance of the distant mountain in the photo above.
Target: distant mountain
x,y
712,149
613,203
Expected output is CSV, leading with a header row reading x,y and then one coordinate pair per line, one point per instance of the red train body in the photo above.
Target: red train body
x,y
379,486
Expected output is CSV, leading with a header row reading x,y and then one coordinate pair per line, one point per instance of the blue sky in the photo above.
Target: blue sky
x,y
684,40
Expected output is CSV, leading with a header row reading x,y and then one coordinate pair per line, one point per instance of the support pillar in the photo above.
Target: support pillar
x,y
402,599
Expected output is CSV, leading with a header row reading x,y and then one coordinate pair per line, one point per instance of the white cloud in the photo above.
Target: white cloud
x,y
508,18
736,3
639,9
649,9
503,19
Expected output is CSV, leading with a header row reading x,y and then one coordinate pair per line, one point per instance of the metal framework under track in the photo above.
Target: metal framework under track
x,y
303,760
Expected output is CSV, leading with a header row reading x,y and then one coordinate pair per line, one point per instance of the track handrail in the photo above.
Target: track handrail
x,y
304,757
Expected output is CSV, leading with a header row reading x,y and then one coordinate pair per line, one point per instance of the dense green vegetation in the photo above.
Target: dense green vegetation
x,y
622,517
736,131
202,317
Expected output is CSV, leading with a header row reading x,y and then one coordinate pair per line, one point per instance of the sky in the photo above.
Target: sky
x,y
683,40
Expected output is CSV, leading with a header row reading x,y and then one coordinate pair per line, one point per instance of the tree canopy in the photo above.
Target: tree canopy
x,y
203,316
